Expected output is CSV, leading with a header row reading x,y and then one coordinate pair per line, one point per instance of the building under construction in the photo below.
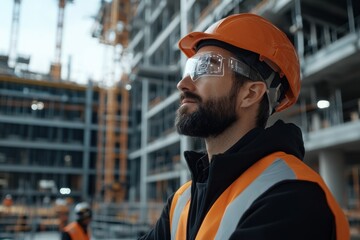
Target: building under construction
x,y
60,142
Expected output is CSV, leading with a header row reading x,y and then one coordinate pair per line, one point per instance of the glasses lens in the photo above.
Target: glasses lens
x,y
190,68
206,64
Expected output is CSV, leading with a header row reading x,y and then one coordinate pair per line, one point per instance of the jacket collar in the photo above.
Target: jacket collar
x,y
256,144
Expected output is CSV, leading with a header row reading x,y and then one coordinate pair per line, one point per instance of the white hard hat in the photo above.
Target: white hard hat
x,y
83,210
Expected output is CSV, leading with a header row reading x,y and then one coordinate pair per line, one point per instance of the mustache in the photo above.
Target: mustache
x,y
190,95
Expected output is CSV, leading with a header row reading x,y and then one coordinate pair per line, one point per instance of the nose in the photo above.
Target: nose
x,y
186,84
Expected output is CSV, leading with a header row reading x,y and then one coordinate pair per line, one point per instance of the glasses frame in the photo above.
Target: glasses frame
x,y
200,66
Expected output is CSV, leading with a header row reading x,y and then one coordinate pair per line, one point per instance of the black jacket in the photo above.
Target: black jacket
x,y
291,209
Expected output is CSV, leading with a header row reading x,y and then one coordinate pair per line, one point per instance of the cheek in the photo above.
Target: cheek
x,y
212,86
238,104
236,96
219,88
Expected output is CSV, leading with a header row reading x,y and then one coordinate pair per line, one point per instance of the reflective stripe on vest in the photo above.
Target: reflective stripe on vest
x,y
276,172
180,205
224,215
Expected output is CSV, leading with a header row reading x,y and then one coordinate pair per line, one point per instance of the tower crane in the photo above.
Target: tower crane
x,y
14,33
55,69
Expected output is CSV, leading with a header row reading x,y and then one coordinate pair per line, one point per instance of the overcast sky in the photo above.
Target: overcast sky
x,y
37,36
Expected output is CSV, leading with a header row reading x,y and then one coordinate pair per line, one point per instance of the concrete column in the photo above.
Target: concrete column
x,y
183,27
144,153
86,139
315,122
332,170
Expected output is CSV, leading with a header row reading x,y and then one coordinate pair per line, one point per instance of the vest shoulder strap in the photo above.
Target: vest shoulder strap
x,y
229,208
178,204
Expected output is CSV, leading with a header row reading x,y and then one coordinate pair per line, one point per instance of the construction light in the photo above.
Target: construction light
x,y
40,105
128,87
65,191
323,104
35,105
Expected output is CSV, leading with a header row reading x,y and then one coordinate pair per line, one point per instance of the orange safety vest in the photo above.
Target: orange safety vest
x,y
224,215
76,232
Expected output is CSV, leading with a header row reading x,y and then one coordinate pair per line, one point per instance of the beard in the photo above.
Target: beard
x,y
210,119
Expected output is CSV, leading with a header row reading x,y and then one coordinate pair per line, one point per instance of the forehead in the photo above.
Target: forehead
x,y
215,49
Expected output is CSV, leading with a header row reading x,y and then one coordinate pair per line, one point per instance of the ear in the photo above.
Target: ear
x,y
252,93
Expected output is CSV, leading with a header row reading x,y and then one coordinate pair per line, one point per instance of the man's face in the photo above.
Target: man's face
x,y
207,105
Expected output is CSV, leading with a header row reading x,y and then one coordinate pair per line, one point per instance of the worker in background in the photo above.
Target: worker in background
x,y
251,183
79,229
8,201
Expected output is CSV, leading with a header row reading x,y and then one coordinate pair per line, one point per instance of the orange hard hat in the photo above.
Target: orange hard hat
x,y
256,34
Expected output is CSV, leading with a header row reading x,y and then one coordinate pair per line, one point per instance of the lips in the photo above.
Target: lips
x,y
188,100
187,97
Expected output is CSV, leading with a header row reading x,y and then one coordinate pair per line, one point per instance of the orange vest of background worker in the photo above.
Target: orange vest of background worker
x,y
8,201
78,230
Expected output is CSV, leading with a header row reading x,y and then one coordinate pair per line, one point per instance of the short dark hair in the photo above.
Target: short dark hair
x,y
263,110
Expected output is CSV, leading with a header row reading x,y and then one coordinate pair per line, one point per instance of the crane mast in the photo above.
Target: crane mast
x,y
55,69
14,33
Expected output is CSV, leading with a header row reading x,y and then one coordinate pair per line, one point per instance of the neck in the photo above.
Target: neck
x,y
224,141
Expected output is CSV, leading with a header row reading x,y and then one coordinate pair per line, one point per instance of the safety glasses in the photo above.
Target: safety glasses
x,y
213,64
